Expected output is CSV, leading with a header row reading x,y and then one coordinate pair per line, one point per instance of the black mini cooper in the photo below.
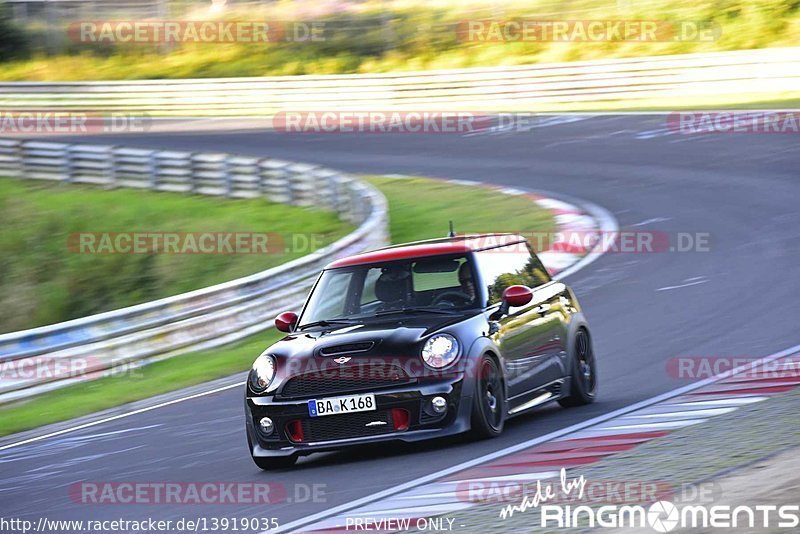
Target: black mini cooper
x,y
418,341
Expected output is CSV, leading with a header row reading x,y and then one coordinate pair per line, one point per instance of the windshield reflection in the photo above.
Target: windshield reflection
x,y
439,285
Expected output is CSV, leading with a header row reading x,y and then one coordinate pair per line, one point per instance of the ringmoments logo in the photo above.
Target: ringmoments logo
x,y
660,516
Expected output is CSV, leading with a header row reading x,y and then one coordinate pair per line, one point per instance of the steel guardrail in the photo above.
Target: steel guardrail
x,y
765,71
199,319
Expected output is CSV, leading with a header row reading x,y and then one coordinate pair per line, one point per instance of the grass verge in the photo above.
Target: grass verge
x,y
133,384
419,209
46,277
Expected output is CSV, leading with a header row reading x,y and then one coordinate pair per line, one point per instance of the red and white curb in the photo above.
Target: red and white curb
x,y
586,221
446,492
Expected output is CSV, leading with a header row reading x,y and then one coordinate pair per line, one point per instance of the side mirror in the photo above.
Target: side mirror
x,y
286,321
516,296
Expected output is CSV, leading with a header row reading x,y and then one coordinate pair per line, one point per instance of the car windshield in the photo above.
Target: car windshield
x,y
431,285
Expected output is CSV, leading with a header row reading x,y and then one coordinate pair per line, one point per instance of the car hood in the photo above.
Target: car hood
x,y
396,339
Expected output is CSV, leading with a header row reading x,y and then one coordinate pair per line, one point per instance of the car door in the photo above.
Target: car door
x,y
530,337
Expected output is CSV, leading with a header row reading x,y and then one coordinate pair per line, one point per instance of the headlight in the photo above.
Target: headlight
x,y
440,351
262,373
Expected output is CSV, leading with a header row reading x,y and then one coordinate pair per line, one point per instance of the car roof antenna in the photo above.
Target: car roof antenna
x,y
452,232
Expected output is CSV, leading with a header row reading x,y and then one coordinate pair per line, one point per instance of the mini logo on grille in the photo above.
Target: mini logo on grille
x,y
376,423
343,359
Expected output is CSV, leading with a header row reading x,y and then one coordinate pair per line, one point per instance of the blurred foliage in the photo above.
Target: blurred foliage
x,y
532,275
375,36
42,281
13,40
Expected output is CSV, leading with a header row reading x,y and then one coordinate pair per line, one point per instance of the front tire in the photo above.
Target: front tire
x,y
488,405
583,388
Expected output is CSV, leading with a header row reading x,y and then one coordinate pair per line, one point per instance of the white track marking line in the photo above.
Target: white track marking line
x,y
389,492
507,478
651,221
723,402
688,284
120,416
687,413
649,427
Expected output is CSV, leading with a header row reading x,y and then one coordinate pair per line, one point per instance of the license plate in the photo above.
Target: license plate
x,y
340,405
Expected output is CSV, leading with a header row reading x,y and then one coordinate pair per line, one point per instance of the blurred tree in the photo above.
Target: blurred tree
x,y
13,41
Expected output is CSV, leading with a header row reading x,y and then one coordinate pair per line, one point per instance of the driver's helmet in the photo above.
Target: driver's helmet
x,y
391,287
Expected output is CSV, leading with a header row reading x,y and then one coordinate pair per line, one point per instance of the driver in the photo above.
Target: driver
x,y
391,288
466,281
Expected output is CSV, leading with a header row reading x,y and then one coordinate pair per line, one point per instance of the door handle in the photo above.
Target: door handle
x,y
541,309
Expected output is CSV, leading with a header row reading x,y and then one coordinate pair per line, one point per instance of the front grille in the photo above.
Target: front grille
x,y
351,425
335,350
344,380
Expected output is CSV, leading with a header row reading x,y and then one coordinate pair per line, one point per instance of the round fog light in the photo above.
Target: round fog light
x,y
439,405
266,425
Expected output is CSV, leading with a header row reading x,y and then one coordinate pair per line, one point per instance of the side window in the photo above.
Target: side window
x,y
510,265
430,279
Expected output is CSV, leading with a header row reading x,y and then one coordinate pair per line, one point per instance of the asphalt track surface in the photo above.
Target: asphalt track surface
x,y
738,299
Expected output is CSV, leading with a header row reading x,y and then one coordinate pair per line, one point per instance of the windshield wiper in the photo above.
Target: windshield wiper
x,y
437,311
324,322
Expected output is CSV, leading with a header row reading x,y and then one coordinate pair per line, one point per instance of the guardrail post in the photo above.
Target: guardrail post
x,y
152,164
69,166
23,168
302,184
333,192
323,186
359,201
112,166
275,180
226,175
343,200
193,172
11,161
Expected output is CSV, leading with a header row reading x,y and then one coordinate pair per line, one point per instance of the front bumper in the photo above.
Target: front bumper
x,y
338,431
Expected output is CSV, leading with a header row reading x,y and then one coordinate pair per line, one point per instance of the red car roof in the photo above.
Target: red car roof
x,y
435,247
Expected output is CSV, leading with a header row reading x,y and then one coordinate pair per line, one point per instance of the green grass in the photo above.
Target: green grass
x,y
133,384
419,209
43,281
377,36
